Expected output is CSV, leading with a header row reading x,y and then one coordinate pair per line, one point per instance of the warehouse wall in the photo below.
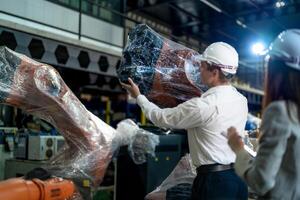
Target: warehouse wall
x,y
63,18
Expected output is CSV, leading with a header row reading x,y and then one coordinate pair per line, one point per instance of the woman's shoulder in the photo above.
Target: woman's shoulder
x,y
282,110
277,107
275,111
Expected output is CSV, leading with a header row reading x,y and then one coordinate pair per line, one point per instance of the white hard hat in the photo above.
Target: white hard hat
x,y
222,54
286,47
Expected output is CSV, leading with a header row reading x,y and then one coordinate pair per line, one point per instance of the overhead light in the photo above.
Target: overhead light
x,y
279,4
241,23
258,48
152,2
211,5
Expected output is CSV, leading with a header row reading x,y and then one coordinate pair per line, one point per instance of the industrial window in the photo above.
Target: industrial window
x,y
101,9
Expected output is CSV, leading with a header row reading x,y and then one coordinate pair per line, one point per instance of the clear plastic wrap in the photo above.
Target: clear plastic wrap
x,y
181,177
38,89
166,72
140,142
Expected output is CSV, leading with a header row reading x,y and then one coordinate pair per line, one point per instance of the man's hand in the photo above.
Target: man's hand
x,y
131,88
234,140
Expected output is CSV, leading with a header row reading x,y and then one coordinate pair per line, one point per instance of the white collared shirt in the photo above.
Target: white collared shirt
x,y
205,118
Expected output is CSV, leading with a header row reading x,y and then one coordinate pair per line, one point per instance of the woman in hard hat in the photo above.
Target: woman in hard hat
x,y
274,172
205,118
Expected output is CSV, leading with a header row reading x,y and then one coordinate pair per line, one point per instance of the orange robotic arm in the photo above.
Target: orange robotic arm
x,y
36,189
39,89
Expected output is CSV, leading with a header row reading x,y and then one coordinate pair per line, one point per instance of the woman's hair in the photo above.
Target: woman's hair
x,y
282,83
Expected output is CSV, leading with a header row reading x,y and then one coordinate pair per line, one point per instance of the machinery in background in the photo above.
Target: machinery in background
x,y
43,147
252,132
6,115
6,147
36,147
27,150
135,181
20,143
58,143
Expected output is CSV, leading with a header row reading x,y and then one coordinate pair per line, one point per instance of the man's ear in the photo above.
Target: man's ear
x,y
216,72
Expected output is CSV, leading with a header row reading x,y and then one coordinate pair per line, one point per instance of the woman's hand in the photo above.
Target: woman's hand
x,y
234,140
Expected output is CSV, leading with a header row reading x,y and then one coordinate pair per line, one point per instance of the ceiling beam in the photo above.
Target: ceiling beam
x,y
160,3
186,25
268,16
259,8
182,10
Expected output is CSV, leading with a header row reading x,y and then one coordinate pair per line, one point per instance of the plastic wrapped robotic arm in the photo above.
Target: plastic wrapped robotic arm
x,y
166,72
39,90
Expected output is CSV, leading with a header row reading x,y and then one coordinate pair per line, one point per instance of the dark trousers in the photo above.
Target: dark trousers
x,y
219,185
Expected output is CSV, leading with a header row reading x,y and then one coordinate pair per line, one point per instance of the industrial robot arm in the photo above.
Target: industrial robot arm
x,y
166,72
36,189
37,184
38,89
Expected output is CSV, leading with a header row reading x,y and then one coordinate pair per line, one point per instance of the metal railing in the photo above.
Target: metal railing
x,y
112,15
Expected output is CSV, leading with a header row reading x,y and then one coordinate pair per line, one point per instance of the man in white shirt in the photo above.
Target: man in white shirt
x,y
205,119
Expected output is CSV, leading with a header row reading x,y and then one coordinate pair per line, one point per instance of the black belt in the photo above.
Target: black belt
x,y
213,168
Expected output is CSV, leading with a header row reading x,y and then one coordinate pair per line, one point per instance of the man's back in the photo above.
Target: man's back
x,y
220,107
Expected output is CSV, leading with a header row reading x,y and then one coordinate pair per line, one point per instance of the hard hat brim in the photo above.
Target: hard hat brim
x,y
224,68
281,56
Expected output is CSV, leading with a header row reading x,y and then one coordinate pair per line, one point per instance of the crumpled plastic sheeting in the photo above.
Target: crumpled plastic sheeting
x,y
38,89
140,142
166,72
183,173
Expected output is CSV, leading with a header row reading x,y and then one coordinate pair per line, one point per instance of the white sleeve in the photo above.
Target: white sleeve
x,y
189,114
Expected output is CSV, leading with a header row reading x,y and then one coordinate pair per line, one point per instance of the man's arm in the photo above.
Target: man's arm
x,y
186,115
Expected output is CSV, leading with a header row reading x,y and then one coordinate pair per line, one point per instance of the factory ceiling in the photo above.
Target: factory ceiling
x,y
238,22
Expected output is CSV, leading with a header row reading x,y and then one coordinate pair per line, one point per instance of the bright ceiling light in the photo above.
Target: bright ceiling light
x,y
211,5
258,48
279,4
241,23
